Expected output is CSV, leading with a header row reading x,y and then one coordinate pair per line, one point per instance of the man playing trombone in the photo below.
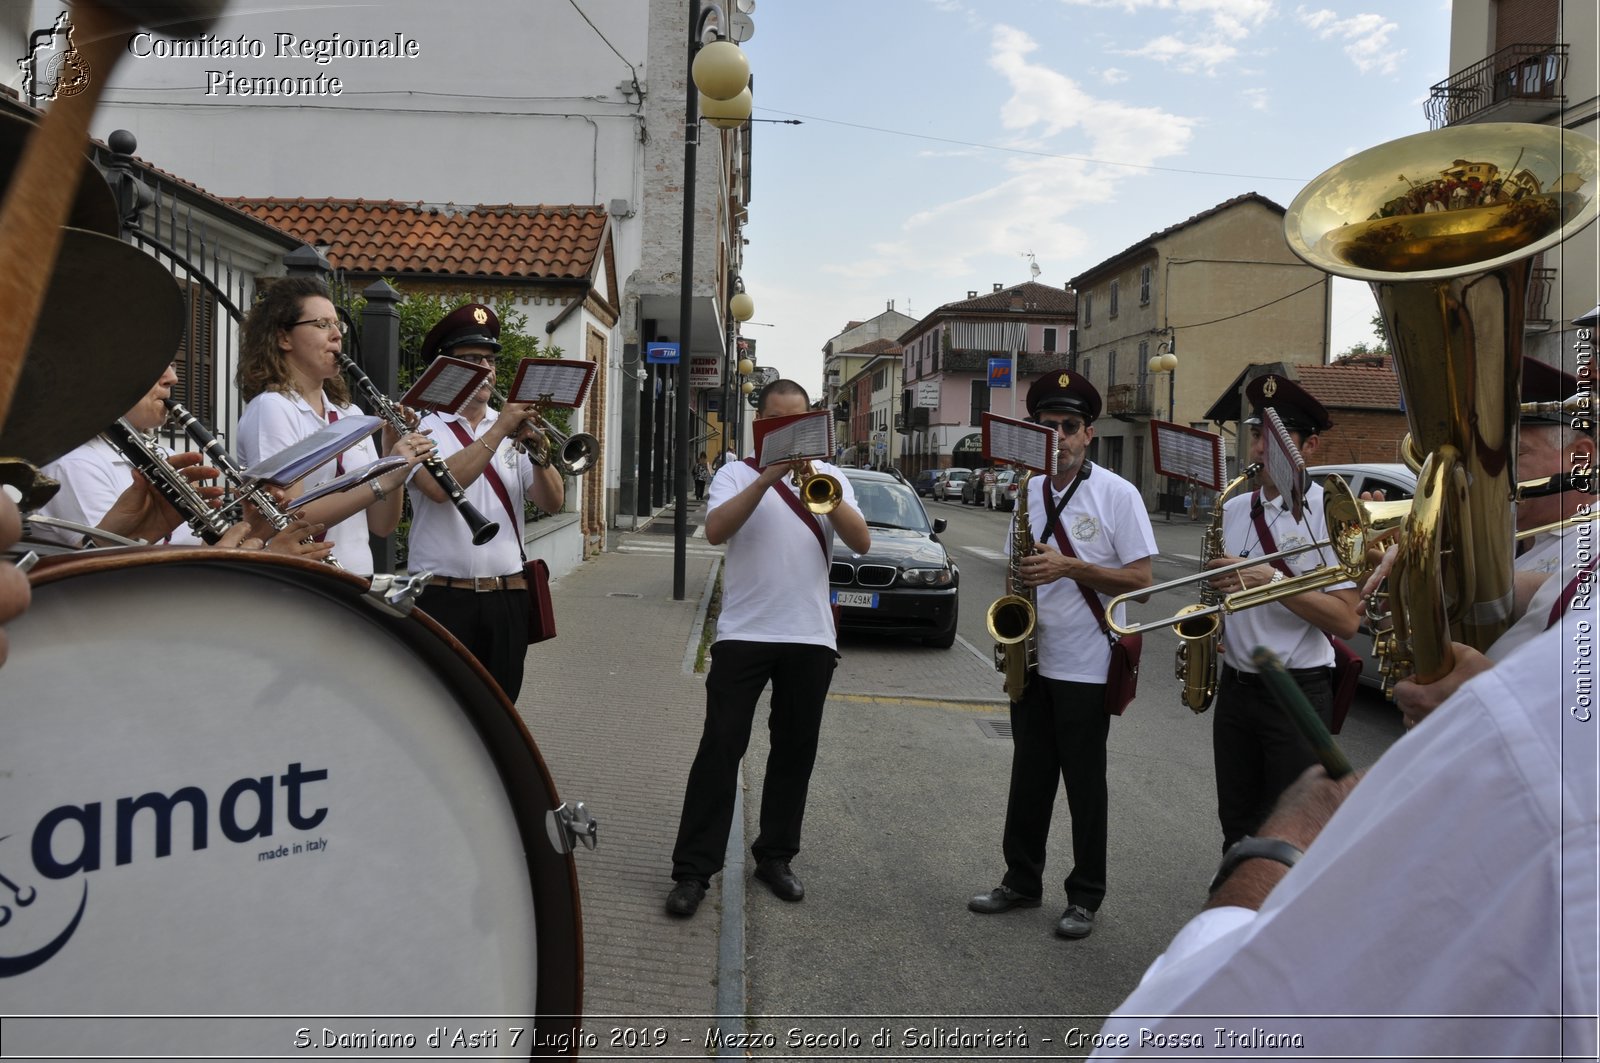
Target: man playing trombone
x,y
1257,751
479,593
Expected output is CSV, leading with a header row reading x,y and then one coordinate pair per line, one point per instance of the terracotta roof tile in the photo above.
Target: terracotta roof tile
x,y
876,347
506,241
1351,386
1030,296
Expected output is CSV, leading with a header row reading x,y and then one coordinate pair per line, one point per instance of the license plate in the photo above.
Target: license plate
x,y
861,599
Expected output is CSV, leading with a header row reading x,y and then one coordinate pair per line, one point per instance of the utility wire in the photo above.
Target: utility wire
x,y
1034,152
608,44
1252,310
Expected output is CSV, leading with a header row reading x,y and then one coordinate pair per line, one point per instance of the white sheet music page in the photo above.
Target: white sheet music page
x,y
318,448
1188,453
552,381
1284,463
805,436
446,385
1014,442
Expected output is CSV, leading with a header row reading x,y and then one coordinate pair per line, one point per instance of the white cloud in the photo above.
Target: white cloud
x,y
1234,19
1032,206
1113,76
1366,38
1257,99
1200,55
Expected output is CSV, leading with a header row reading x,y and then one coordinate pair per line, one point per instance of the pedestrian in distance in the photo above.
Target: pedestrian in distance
x,y
776,626
1060,725
702,477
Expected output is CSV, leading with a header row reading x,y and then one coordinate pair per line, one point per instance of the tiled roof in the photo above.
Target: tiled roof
x,y
509,242
1032,296
876,347
1362,387
1248,197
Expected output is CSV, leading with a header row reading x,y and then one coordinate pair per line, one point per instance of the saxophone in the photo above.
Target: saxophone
x,y
1199,637
1011,616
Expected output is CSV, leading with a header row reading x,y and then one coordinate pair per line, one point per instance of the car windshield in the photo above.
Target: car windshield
x,y
890,505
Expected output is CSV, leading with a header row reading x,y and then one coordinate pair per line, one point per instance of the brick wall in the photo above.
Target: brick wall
x,y
1362,436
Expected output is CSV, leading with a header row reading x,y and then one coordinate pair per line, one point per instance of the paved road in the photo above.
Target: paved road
x,y
904,823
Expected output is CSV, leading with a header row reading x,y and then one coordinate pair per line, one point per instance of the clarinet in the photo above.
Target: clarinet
x,y
483,529
204,521
252,491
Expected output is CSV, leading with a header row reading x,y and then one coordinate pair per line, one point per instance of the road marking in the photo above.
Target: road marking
x,y
668,548
986,552
1183,557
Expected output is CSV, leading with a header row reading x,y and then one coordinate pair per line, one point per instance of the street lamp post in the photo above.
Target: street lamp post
x,y
719,71
1165,360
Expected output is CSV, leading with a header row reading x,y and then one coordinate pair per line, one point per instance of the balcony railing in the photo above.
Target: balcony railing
x,y
1126,401
1540,285
1522,83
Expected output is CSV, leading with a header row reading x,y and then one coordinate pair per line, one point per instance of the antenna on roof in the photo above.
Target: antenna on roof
x,y
1033,265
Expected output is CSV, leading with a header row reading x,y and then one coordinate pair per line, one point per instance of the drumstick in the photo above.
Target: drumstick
x,y
1293,701
46,179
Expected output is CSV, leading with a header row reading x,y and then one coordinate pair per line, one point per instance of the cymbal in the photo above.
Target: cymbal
x,y
111,322
95,209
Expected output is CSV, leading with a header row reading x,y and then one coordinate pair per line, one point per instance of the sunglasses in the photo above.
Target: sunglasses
x,y
1067,428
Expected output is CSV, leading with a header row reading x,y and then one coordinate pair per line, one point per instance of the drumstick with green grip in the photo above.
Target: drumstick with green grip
x,y
1292,699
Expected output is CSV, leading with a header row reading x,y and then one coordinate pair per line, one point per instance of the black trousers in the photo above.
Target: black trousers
x,y
1257,751
1058,731
740,671
493,625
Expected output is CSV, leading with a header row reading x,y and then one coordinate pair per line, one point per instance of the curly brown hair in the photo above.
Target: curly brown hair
x,y
262,366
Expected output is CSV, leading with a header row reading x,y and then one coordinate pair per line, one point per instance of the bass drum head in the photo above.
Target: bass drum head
x,y
230,786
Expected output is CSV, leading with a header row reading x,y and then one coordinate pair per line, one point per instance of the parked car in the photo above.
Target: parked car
x,y
1002,495
1397,482
949,483
923,484
975,491
906,584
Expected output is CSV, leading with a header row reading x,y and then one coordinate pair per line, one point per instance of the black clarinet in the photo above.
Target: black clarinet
x,y
173,486
252,491
483,529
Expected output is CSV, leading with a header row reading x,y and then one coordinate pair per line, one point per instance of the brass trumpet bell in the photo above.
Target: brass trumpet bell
x,y
820,492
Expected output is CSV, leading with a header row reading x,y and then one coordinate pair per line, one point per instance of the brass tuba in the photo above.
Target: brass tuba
x,y
1443,225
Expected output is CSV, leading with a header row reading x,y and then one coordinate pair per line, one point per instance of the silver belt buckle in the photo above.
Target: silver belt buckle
x,y
478,583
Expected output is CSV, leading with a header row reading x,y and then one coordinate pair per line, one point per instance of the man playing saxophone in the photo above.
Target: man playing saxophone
x,y
1060,725
1257,751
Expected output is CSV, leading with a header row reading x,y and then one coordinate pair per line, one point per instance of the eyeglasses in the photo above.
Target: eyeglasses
x,y
479,359
326,324
1066,428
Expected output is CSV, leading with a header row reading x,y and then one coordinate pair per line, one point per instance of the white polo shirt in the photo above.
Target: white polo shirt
x,y
1297,643
440,540
1109,527
92,477
775,575
274,420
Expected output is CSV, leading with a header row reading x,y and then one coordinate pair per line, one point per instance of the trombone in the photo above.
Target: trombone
x,y
572,455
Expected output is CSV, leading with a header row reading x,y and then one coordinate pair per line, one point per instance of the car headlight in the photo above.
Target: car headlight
x,y
926,577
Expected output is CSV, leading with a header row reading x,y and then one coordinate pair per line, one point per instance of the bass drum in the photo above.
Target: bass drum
x,y
232,785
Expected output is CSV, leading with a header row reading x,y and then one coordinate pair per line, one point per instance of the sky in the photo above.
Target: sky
x,y
943,142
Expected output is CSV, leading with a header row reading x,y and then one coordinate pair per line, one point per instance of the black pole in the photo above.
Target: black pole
x,y
691,142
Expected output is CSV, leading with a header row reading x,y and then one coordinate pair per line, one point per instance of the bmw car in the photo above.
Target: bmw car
x,y
906,583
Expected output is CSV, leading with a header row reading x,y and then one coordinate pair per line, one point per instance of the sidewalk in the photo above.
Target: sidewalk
x,y
617,712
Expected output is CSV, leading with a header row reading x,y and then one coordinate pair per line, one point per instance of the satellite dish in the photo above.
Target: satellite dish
x,y
742,27
745,7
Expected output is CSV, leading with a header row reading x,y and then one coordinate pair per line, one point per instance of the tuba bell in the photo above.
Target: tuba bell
x,y
1444,226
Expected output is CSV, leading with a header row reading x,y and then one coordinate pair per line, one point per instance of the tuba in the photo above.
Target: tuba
x,y
1444,225
1011,617
1199,635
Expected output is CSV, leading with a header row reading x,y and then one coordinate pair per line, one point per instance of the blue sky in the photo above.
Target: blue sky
x,y
943,140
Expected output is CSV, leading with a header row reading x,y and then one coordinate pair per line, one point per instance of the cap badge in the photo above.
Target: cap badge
x,y
480,315
1270,388
1063,380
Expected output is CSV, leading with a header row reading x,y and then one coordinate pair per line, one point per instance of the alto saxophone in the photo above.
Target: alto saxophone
x,y
1200,637
1012,616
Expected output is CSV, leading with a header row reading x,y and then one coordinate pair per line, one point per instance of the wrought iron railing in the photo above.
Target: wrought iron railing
x,y
1129,400
1540,285
1529,72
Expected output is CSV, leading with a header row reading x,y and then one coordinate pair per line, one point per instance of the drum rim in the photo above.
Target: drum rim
x,y
553,876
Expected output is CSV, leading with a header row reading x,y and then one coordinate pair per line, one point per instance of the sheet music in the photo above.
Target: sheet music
x,y
318,448
1284,463
553,381
445,385
806,436
1015,442
1188,454
348,480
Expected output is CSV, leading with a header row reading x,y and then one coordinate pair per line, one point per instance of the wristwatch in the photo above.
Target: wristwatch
x,y
1277,576
1250,848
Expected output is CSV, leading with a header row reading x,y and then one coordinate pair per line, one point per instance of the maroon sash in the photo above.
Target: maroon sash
x,y
1346,662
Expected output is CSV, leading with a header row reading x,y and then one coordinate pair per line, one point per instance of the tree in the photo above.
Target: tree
x,y
1364,351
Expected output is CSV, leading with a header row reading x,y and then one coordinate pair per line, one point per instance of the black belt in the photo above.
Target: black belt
x,y
1253,679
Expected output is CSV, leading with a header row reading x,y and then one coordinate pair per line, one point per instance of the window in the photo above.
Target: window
x,y
1113,311
1049,340
195,356
1088,309
1144,285
980,401
1088,368
1144,362
1111,370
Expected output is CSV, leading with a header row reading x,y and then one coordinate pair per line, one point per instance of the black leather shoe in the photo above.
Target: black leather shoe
x,y
1000,899
783,882
1076,922
685,898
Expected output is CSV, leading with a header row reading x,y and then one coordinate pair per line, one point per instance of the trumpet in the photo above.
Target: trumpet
x,y
483,529
820,492
246,488
572,455
205,522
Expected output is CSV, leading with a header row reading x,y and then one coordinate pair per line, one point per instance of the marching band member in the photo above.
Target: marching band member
x,y
1060,726
1257,751
479,593
289,376
775,627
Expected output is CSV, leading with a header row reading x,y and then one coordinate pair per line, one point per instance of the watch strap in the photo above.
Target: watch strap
x,y
1250,848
